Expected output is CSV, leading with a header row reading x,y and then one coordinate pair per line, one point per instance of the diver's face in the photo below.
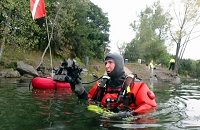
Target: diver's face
x,y
110,65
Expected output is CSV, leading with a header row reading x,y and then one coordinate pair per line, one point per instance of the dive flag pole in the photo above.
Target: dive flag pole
x,y
49,48
38,10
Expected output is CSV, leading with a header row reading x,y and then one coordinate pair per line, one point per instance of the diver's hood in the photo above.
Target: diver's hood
x,y
119,65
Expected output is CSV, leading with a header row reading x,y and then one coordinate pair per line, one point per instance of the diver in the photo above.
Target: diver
x,y
121,91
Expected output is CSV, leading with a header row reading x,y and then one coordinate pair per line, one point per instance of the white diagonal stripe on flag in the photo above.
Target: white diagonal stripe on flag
x,y
35,7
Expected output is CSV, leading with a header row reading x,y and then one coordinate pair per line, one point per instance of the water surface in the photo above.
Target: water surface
x,y
24,109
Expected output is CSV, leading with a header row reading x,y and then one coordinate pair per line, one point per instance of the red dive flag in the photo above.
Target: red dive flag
x,y
37,8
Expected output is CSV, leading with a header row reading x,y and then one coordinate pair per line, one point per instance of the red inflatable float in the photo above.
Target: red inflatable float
x,y
48,83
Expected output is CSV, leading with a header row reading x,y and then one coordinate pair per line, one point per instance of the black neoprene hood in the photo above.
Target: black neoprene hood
x,y
119,64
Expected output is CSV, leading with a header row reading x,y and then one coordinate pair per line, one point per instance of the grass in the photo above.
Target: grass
x,y
12,55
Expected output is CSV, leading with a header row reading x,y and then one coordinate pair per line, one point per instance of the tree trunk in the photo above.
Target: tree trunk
x,y
6,30
177,58
2,47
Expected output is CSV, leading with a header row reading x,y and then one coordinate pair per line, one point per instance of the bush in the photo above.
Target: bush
x,y
11,65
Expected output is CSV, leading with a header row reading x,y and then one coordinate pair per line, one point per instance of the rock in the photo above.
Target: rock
x,y
28,76
84,72
3,73
161,77
9,73
153,79
177,80
96,67
12,74
41,68
23,68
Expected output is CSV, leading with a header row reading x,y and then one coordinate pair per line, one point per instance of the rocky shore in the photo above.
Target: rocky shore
x,y
22,71
161,74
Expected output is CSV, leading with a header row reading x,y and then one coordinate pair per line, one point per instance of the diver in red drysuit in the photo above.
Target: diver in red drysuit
x,y
117,90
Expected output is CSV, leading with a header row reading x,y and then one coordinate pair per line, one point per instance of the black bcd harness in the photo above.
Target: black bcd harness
x,y
122,94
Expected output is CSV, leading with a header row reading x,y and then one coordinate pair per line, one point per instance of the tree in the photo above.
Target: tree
x,y
17,27
187,19
6,9
198,69
151,30
80,27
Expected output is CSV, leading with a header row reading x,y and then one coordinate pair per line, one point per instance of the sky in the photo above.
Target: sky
x,y
121,13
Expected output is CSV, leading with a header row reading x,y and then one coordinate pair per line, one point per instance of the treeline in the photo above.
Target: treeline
x,y
152,39
80,28
76,27
151,36
190,67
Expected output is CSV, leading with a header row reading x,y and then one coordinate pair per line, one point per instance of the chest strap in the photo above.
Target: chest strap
x,y
103,83
125,89
102,87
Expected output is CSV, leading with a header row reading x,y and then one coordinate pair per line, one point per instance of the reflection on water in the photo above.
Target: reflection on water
x,y
178,108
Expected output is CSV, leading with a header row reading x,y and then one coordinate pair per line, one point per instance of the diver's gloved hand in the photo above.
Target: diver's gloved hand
x,y
72,78
78,89
68,79
73,71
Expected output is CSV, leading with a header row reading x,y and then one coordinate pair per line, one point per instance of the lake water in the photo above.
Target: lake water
x,y
24,109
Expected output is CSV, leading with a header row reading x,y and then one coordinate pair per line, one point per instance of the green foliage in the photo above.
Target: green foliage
x,y
149,41
77,26
189,67
83,31
11,65
78,61
132,51
198,69
165,59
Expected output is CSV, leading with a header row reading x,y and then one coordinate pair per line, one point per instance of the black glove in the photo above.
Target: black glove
x,y
68,79
73,77
75,82
78,89
73,71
